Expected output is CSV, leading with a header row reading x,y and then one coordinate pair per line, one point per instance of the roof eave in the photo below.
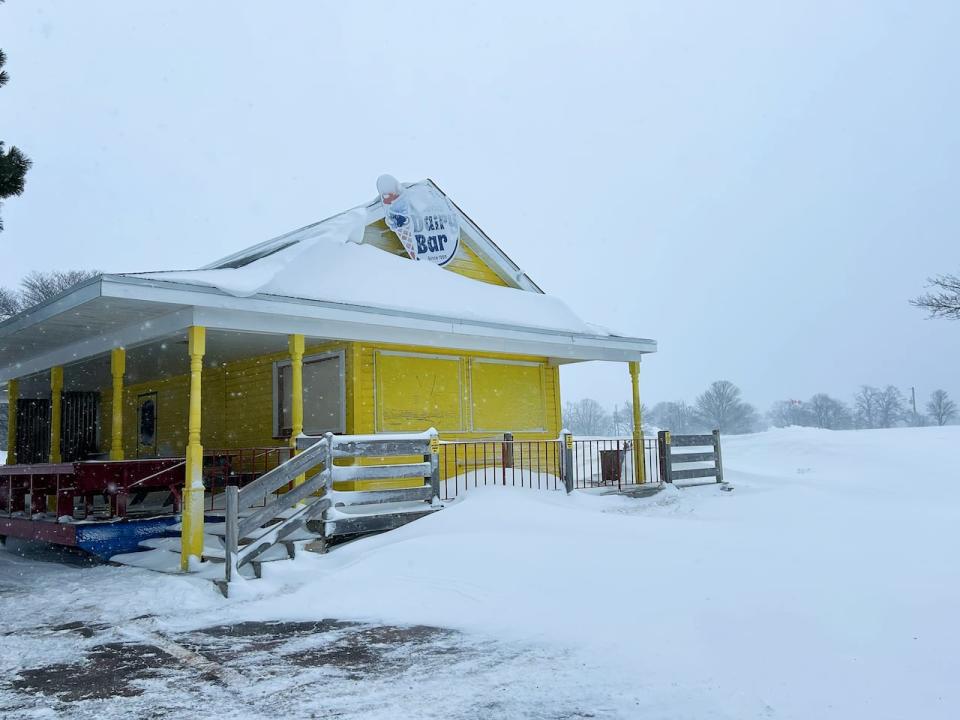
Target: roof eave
x,y
500,261
610,346
70,298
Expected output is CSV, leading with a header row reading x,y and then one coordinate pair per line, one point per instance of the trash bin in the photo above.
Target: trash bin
x,y
611,463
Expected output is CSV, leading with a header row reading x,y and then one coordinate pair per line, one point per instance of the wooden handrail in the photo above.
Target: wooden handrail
x,y
319,453
237,499
284,473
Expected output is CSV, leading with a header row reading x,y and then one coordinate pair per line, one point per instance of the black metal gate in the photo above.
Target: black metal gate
x,y
81,418
33,431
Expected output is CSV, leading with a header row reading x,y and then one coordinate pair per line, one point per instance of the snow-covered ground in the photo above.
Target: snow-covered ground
x,y
826,585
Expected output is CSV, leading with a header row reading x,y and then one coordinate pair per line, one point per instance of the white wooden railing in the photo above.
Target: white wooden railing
x,y
315,501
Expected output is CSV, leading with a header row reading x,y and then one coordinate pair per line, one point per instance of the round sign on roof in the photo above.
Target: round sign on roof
x,y
425,221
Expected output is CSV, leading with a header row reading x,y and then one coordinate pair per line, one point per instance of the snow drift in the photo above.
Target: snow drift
x,y
825,586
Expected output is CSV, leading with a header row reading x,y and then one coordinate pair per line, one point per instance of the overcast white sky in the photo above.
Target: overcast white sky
x,y
758,187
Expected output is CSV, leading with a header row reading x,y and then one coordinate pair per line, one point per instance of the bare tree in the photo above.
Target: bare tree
x,y
38,287
784,413
941,408
9,302
944,301
890,407
829,413
865,406
622,418
721,407
876,408
586,417
677,417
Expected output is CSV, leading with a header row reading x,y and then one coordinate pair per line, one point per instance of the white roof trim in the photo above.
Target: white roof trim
x,y
271,314
67,300
349,319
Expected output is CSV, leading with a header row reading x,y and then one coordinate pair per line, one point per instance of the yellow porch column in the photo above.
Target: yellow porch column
x,y
56,412
638,456
191,534
296,344
118,366
13,392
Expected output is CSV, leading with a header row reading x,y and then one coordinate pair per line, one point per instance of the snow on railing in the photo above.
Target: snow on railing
x,y
315,498
701,455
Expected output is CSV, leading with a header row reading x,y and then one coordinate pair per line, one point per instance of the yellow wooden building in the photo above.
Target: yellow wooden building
x,y
329,328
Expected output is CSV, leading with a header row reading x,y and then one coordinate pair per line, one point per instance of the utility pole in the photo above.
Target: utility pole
x,y
913,404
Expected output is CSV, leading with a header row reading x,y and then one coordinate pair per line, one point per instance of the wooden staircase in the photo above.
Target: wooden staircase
x,y
260,528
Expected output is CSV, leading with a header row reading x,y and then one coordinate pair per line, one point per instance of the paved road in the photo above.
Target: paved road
x,y
64,655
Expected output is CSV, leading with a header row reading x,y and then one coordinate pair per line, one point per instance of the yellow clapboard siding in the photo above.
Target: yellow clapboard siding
x,y
172,407
418,391
367,401
507,396
237,407
486,399
364,398
249,398
466,262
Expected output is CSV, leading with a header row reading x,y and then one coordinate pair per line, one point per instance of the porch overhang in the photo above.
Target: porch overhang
x,y
123,311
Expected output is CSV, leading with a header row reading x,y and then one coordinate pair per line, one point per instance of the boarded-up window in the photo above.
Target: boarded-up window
x,y
415,392
507,397
322,395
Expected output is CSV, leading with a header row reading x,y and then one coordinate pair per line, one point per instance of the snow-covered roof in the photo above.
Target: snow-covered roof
x,y
332,264
321,281
476,238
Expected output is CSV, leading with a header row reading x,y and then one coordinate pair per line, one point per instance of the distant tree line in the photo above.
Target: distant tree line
x,y
722,407
589,417
872,407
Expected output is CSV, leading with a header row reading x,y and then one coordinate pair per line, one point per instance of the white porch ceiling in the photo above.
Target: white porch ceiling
x,y
164,357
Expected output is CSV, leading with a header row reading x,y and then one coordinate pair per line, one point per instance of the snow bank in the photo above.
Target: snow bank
x,y
825,586
333,266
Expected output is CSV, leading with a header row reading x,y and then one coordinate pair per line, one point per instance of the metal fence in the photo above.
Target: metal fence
x,y
539,464
613,462
238,466
516,463
598,462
